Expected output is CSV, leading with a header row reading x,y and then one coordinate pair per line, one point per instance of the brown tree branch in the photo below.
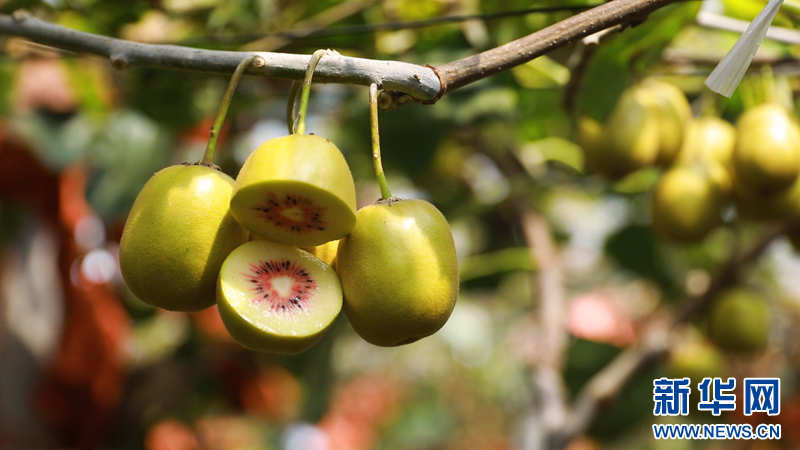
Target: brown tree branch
x,y
413,82
578,64
473,68
552,328
416,80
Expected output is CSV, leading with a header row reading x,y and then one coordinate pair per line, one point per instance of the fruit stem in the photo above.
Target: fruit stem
x,y
312,64
376,142
208,156
746,90
769,85
709,103
290,106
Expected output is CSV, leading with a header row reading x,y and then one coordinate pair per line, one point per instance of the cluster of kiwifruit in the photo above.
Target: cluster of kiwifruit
x,y
710,164
281,250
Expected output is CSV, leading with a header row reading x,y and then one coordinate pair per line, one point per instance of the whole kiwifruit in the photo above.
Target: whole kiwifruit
x,y
277,298
399,272
629,139
739,321
709,142
766,157
590,139
696,360
296,190
686,204
673,113
709,138
177,235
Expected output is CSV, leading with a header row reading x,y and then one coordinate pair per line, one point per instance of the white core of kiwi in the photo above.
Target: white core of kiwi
x,y
318,305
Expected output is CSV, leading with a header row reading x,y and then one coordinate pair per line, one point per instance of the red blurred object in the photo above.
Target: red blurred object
x,y
210,324
228,433
42,84
345,434
202,131
272,394
24,179
82,387
171,435
595,317
357,409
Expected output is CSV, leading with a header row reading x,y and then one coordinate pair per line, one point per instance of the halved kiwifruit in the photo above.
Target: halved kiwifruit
x,y
277,298
296,190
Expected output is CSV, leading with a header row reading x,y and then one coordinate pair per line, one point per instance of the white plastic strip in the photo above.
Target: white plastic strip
x,y
730,71
713,20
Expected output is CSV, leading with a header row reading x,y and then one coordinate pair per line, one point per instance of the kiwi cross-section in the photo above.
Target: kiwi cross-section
x,y
296,190
277,298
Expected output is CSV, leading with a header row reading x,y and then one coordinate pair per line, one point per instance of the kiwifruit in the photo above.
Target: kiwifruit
x,y
177,235
709,138
709,142
766,157
696,359
399,272
686,204
277,298
783,205
590,138
673,113
296,190
739,321
326,252
630,139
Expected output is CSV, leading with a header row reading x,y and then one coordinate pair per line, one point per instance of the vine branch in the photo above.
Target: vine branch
x,y
473,68
418,81
552,327
404,82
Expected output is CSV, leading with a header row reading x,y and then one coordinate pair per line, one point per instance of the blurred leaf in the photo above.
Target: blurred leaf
x,y
551,149
633,407
506,260
640,181
487,102
176,99
584,359
541,116
57,140
636,249
541,72
92,86
130,149
8,71
424,422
